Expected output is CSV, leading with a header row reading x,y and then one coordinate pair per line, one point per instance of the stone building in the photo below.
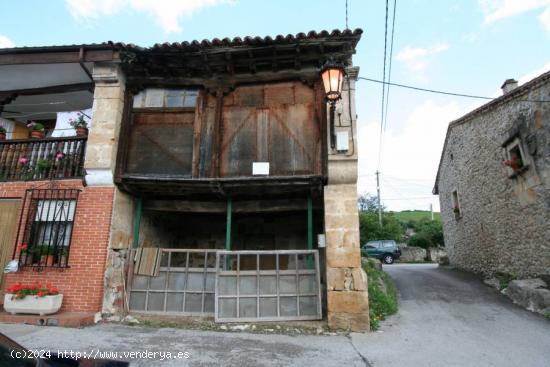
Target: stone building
x,y
211,181
494,183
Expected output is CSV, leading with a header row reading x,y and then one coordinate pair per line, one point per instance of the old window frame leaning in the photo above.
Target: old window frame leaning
x,y
47,228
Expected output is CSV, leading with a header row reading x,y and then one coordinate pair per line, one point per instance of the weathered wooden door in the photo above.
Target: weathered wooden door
x,y
271,123
9,210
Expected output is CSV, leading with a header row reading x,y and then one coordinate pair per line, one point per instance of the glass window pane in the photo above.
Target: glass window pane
x,y
154,97
174,98
155,302
174,302
247,307
190,99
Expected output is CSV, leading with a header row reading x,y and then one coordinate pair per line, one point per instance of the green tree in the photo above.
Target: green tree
x,y
368,203
428,234
369,226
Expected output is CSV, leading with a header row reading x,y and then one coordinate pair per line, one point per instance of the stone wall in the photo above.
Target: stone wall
x,y
347,295
504,223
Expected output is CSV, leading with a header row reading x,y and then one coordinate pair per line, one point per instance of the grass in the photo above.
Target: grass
x,y
415,215
504,279
382,294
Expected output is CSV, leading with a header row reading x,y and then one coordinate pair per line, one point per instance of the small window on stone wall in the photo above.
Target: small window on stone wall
x,y
515,158
456,205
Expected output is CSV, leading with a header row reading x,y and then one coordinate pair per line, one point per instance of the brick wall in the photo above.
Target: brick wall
x,y
82,283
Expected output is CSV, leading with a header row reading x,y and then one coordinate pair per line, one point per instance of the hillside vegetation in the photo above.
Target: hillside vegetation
x,y
415,215
414,227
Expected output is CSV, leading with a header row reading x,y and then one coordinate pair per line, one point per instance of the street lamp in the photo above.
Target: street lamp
x,y
333,74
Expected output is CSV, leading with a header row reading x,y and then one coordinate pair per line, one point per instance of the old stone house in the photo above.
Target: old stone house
x,y
494,183
211,180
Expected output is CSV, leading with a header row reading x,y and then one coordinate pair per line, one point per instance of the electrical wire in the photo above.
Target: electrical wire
x,y
441,92
390,66
347,14
383,87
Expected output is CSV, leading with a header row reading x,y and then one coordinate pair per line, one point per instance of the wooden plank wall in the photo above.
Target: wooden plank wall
x,y
279,123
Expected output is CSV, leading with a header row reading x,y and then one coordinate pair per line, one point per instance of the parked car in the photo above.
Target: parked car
x,y
14,355
386,251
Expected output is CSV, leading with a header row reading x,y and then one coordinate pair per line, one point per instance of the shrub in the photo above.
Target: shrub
x,y
419,240
382,295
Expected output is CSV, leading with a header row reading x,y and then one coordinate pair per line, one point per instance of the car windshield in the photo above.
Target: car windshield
x,y
9,350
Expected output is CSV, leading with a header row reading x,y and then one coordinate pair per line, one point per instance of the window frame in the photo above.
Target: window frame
x,y
511,145
455,204
47,249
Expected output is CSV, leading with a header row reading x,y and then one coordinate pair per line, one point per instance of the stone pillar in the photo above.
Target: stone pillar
x,y
107,112
101,152
347,296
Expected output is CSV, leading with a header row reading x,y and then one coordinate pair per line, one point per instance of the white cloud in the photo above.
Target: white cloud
x,y
527,77
166,13
5,42
417,59
411,155
495,10
544,19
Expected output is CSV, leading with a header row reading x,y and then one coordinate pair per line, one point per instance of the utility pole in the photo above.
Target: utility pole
x,y
379,204
432,210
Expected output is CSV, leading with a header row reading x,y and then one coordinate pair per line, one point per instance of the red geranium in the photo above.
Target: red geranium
x,y
20,291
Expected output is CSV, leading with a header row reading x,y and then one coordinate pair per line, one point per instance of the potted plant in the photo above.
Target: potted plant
x,y
62,253
456,210
37,130
2,133
80,125
33,299
515,163
47,254
23,252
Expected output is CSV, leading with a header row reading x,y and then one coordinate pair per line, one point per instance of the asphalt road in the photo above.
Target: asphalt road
x,y
449,318
446,318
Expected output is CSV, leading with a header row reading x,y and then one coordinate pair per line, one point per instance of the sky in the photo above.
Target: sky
x,y
464,46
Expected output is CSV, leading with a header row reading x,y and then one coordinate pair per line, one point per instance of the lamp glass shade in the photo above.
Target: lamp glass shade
x,y
333,81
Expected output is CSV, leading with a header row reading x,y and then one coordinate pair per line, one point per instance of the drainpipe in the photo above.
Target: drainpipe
x,y
309,230
228,230
137,221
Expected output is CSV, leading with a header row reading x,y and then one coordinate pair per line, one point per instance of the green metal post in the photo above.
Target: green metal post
x,y
228,230
309,230
137,221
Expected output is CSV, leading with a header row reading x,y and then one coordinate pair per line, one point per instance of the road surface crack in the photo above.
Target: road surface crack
x,y
365,360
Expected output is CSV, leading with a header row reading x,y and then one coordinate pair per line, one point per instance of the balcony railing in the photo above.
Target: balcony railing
x,y
42,159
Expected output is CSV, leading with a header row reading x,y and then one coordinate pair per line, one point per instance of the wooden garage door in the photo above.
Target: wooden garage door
x,y
9,211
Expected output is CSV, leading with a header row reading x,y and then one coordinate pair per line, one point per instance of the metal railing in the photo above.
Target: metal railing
x,y
42,159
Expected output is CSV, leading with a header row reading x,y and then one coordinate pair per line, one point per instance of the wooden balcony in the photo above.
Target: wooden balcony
x,y
42,159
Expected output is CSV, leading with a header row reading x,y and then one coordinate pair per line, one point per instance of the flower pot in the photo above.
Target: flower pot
x,y
81,131
46,305
37,134
23,259
49,260
2,136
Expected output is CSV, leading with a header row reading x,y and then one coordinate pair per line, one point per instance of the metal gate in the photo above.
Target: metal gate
x,y
232,285
184,286
267,285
